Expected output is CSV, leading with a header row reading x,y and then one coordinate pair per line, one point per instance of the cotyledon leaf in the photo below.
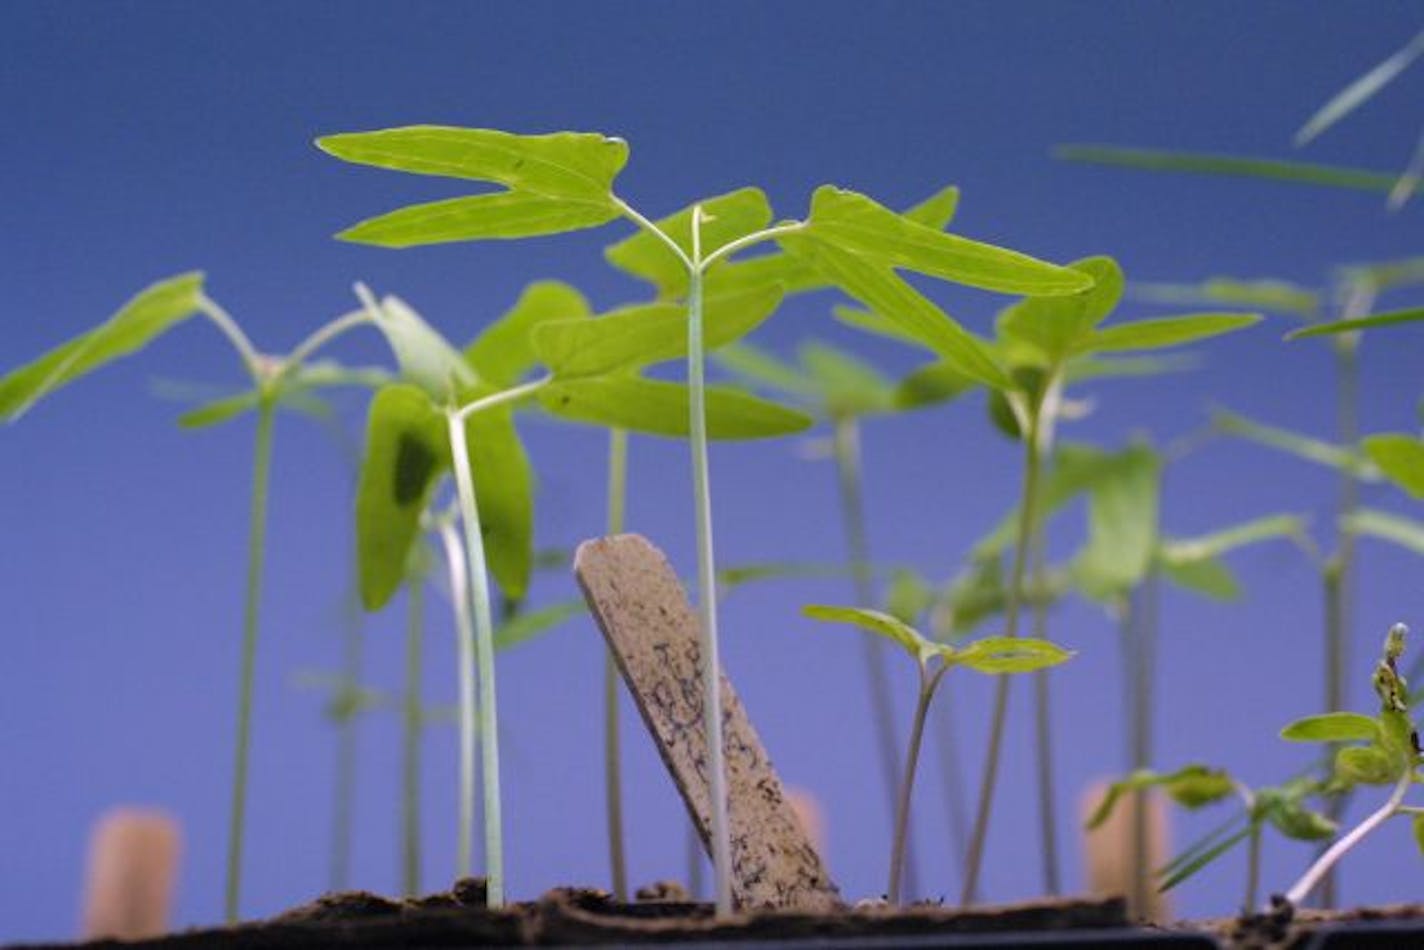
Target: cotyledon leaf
x,y
1408,533
655,407
1057,328
500,215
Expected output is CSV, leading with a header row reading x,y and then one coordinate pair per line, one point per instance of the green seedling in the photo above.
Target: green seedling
x,y
564,182
993,655
1384,751
275,381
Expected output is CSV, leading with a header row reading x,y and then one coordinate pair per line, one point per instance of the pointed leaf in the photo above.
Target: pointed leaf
x,y
1191,786
1201,860
218,411
876,622
424,357
1333,727
1010,655
848,386
655,407
503,214
151,312
725,219
527,625
504,492
1303,173
731,577
1217,543
1293,443
1361,90
406,451
1055,328
1401,458
1270,294
1405,532
1295,821
504,352
1393,318
1167,331
564,164
937,211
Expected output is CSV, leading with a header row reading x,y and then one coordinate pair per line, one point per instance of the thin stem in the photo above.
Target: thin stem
x,y
251,359
612,746
322,336
413,722
513,394
484,652
1043,728
637,218
928,682
1138,636
465,672
1253,866
256,542
1028,517
342,812
1342,846
756,237
846,443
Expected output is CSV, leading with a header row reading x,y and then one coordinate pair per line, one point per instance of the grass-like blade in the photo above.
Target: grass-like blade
x,y
1360,90
1200,860
1236,166
528,624
848,386
1293,443
1167,331
1393,318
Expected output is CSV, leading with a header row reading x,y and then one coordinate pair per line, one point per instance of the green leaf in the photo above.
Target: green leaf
x,y
1332,727
937,211
151,312
1295,821
525,626
1303,173
1405,532
504,214
933,383
725,219
872,322
504,492
1361,90
1416,827
218,411
1384,275
880,289
908,596
565,164
1190,862
736,576
1122,524
504,351
1276,296
859,226
1393,318
1083,369
1055,328
1208,577
1010,655
648,333
406,450
295,393
1191,786
655,407
1293,443
1401,458
424,356
1167,331
1365,765
848,387
879,623
760,368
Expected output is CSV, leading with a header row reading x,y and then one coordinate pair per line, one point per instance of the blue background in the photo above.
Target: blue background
x,y
140,140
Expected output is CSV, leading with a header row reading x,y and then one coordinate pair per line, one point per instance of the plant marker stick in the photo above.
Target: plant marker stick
x,y
612,751
484,654
465,658
133,862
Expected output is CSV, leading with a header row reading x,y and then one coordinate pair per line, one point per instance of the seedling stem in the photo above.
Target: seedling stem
x,y
413,721
465,660
612,747
929,681
1340,848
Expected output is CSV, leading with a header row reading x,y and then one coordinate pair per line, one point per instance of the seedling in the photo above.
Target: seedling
x,y
994,655
564,182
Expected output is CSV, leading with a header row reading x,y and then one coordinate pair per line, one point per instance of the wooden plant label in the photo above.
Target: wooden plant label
x,y
650,627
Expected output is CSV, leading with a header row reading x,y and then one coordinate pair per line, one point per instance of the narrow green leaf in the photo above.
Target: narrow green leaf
x,y
424,356
736,576
655,407
1293,443
1191,786
1201,860
1360,90
859,226
1397,529
296,393
563,164
406,450
937,211
151,312
1082,369
1401,458
1332,727
1270,294
527,625
1365,765
1393,318
1384,275
504,492
1167,331
1203,844
760,368
1416,827
501,215
648,333
880,289
848,387
876,622
1010,655
1231,165
504,352
725,219
218,411
1217,543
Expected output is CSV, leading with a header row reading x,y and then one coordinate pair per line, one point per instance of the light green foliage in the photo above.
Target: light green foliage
x,y
1122,524
1191,786
1160,160
1269,294
296,390
1364,765
1333,727
559,182
1046,332
725,218
1293,443
849,387
1194,563
528,624
424,357
146,316
503,353
504,490
1168,331
656,407
1401,458
1393,318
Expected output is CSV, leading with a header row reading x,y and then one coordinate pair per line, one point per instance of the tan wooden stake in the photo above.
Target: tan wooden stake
x,y
1109,853
133,862
643,612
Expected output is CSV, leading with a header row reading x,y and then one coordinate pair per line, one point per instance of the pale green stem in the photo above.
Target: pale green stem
x,y
741,243
1253,866
898,844
322,336
513,394
1341,847
1043,728
469,713
484,654
256,541
1028,516
251,360
612,752
413,723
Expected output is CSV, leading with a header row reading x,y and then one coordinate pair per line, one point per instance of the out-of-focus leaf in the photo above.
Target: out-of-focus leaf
x,y
1405,532
1056,328
1200,860
1217,543
424,356
1235,166
504,350
1122,524
655,407
1365,765
1333,727
872,322
1294,820
930,384
1191,786
1384,275
529,624
1084,369
1393,318
848,387
1206,576
908,596
736,576
725,219
504,492
1166,331
1401,458
760,368
1275,296
1293,443
154,310
1010,655
1409,179
1360,90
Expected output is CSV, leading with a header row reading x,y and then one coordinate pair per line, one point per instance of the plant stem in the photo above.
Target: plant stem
x,y
898,843
484,653
513,394
707,579
846,443
324,335
342,811
1253,866
465,672
1028,517
1139,634
612,753
256,541
1043,728
251,359
413,722
1343,845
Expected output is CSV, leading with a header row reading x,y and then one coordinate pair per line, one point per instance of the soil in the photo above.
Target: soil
x,y
663,916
